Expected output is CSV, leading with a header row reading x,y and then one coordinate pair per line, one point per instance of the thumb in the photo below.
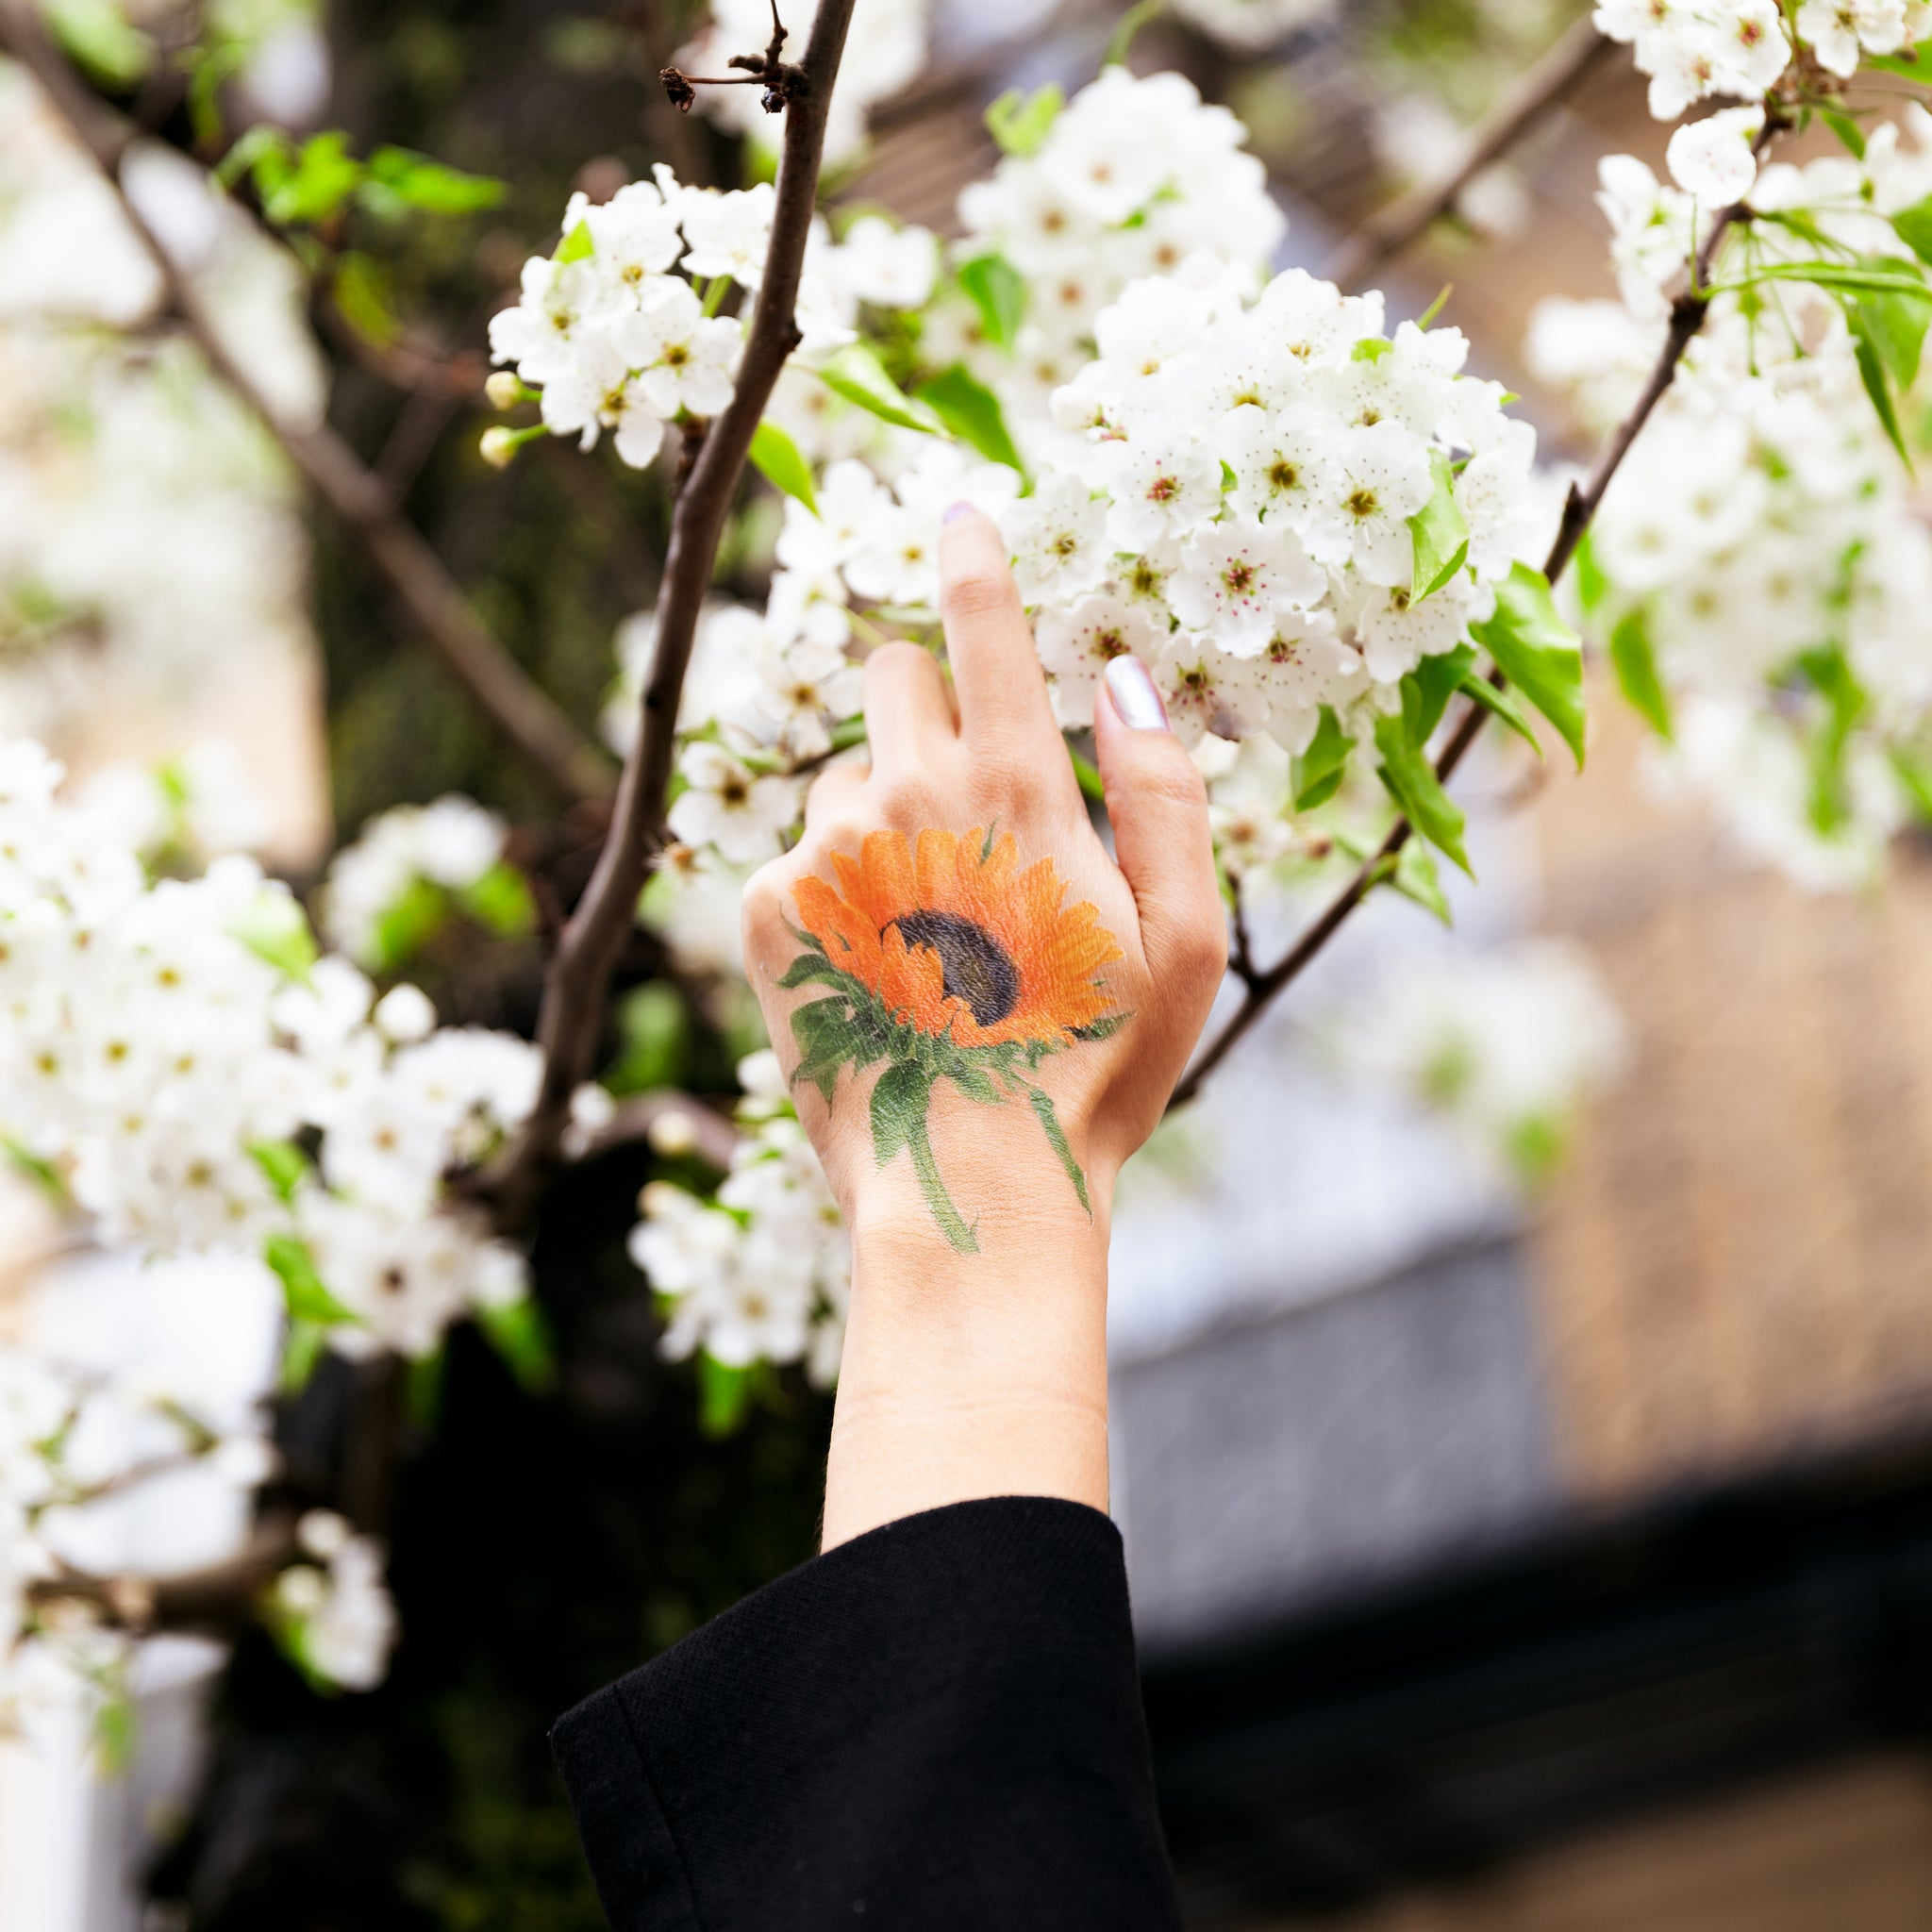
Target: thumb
x,y
1159,809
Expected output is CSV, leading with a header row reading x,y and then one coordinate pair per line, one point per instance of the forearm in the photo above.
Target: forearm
x,y
971,1374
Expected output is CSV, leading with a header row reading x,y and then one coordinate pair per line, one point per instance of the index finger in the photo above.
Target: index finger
x,y
996,673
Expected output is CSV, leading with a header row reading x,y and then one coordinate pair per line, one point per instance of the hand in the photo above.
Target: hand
x,y
982,1016
980,1010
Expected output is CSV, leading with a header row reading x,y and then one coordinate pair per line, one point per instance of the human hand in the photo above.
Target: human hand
x,y
982,1013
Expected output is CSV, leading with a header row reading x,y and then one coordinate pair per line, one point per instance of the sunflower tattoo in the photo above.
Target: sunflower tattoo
x,y
948,963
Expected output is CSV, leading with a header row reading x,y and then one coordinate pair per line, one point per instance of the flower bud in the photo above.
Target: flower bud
x,y
500,446
505,389
672,1132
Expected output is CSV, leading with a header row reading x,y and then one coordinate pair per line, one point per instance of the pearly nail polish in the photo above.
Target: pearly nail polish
x,y
956,512
1136,697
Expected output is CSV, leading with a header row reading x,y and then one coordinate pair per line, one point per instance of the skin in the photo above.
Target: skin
x,y
984,1375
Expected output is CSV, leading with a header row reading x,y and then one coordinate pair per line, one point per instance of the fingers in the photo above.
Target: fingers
x,y
1159,809
1003,700
909,717
835,794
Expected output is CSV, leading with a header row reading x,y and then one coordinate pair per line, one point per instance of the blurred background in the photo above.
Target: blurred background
x,y
1503,1559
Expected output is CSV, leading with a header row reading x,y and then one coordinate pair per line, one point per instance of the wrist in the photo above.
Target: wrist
x,y
971,1375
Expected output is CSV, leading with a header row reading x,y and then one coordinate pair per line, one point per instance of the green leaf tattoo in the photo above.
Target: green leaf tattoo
x,y
947,961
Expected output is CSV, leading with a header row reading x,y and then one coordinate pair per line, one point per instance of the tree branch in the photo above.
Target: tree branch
x,y
219,1600
1529,104
523,714
1687,317
571,1019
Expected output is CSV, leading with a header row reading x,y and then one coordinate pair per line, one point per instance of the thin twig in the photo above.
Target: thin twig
x,y
1528,104
1686,318
571,1019
221,1599
523,715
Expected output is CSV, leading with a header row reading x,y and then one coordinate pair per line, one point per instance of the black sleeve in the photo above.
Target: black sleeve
x,y
935,1725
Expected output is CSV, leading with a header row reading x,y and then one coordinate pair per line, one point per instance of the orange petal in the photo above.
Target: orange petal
x,y
848,938
888,891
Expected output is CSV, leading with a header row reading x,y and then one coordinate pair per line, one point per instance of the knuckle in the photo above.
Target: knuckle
x,y
897,658
909,802
980,593
1173,784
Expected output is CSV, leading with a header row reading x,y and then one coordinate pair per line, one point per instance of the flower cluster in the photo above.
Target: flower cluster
x,y
451,845
171,1049
621,329
1131,178
1759,558
1691,49
1504,1043
333,1614
1235,497
762,1273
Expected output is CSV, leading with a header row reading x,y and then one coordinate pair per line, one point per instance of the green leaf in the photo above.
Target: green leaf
x,y
1834,274
1914,773
1415,878
998,291
43,1173
1878,388
1591,584
857,373
973,1082
1894,325
1412,782
1634,657
1042,1102
1504,704
1121,42
410,922
782,464
575,246
829,1039
814,969
724,1396
283,1163
899,1097
654,1027
303,1290
96,35
1087,776
501,900
1020,122
417,181
275,928
971,412
1914,63
116,1729
302,1352
360,284
1847,130
1317,772
323,177
520,1334
1438,534
1537,652
261,146
1437,680
1103,1028
1913,226
1829,674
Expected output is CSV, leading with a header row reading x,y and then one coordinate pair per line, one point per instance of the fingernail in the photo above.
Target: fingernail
x,y
1135,695
957,510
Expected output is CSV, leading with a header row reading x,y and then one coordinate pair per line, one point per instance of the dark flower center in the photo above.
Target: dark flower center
x,y
974,966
